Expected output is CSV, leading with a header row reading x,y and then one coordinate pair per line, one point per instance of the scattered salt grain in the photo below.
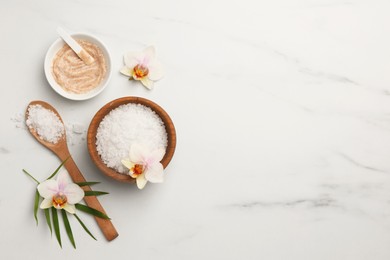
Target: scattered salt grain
x,y
46,123
18,119
78,128
124,126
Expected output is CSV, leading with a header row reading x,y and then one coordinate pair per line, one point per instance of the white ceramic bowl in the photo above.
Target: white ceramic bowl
x,y
55,47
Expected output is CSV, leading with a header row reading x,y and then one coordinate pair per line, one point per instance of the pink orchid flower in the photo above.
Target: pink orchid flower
x,y
61,193
144,165
143,66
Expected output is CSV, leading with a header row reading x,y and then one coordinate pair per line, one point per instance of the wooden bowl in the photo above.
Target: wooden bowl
x,y
92,130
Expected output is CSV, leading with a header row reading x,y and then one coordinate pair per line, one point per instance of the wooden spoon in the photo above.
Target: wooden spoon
x,y
61,150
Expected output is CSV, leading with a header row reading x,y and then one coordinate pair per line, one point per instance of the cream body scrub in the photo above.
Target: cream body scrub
x,y
124,126
73,75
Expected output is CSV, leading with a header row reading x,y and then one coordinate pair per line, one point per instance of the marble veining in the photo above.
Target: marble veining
x,y
4,150
360,165
321,201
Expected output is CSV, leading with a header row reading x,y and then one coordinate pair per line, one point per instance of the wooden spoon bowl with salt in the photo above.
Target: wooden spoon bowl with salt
x,y
93,128
60,148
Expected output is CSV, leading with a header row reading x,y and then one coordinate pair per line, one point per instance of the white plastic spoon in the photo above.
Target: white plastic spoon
x,y
83,54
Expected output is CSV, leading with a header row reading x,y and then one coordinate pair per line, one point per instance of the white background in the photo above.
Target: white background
x,y
282,113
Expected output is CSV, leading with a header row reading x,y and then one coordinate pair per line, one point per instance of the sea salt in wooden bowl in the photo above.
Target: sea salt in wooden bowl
x,y
104,111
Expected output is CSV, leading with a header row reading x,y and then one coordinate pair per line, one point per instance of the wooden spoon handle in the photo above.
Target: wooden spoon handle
x,y
105,225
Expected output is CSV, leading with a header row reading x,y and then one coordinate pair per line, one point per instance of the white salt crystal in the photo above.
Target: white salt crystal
x,y
46,123
19,120
125,125
77,128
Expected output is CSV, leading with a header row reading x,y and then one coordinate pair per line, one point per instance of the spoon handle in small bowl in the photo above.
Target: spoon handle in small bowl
x,y
105,225
75,46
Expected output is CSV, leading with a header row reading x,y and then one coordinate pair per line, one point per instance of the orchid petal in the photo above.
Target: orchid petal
x,y
154,173
128,164
147,83
156,70
131,59
70,208
141,181
149,54
63,179
46,203
48,189
138,153
156,156
126,71
73,193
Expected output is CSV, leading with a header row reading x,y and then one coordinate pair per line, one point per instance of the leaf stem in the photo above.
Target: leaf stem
x,y
58,168
85,228
30,176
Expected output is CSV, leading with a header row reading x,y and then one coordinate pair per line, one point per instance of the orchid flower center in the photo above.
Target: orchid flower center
x,y
140,71
137,169
59,200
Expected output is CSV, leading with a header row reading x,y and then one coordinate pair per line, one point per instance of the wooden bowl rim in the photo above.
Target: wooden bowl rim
x,y
102,112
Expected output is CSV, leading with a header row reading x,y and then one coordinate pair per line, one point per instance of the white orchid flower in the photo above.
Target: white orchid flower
x,y
144,165
61,193
143,66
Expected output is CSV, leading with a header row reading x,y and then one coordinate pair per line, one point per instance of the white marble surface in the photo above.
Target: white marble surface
x,y
282,110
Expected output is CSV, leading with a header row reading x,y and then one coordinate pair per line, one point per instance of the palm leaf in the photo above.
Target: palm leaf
x,y
68,228
94,193
36,205
91,211
87,183
56,225
48,221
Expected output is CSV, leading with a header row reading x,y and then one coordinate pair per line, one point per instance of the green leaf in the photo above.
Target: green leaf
x,y
58,168
85,228
95,193
68,228
30,176
56,225
90,183
91,211
36,205
48,221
